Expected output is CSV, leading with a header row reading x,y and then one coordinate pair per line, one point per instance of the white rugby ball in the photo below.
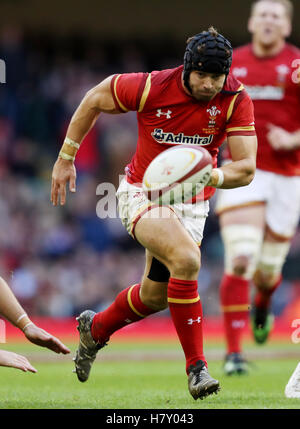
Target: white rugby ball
x,y
177,174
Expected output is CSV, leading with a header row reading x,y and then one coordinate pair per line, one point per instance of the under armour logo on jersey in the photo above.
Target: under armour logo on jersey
x,y
191,321
167,114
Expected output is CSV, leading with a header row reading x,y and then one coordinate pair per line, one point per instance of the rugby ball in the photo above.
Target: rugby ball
x,y
177,174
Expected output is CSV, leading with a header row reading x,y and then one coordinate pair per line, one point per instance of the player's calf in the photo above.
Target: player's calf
x,y
262,324
267,279
154,294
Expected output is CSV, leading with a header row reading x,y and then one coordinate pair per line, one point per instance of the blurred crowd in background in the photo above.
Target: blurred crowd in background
x,y
61,260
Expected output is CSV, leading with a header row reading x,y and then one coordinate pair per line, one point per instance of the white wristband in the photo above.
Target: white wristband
x,y
29,323
220,177
21,317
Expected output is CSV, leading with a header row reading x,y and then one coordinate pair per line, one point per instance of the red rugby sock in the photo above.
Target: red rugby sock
x,y
235,306
186,312
263,297
127,308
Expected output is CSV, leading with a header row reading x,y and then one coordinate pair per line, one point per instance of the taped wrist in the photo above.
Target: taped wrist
x,y
217,182
69,149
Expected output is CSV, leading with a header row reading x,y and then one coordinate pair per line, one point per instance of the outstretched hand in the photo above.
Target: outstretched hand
x,y
63,172
14,360
280,139
42,338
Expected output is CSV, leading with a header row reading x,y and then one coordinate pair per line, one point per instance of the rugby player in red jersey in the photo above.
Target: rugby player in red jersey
x,y
198,103
258,222
11,309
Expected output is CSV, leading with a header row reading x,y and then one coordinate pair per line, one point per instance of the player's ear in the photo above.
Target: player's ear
x,y
287,28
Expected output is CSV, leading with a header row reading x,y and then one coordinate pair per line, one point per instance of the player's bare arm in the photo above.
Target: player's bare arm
x,y
11,309
98,99
280,139
240,171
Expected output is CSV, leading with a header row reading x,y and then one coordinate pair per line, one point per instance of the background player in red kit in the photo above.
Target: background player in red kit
x,y
258,223
198,104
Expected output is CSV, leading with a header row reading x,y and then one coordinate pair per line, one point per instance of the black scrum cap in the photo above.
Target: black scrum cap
x,y
209,52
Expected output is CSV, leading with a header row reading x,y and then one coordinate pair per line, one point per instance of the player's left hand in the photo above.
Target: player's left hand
x,y
63,172
280,139
42,338
14,360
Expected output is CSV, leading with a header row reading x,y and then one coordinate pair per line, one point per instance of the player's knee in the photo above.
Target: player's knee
x,y
241,266
242,247
185,261
264,280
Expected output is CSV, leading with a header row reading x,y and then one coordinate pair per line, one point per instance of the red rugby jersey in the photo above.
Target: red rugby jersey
x,y
272,84
167,116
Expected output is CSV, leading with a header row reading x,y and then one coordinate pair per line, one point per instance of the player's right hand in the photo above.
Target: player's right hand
x,y
63,172
15,361
42,338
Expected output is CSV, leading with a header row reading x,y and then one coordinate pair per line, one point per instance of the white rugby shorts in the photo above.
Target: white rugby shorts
x,y
132,204
280,193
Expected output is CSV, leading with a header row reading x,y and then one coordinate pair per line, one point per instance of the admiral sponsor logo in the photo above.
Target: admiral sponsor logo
x,y
171,138
267,92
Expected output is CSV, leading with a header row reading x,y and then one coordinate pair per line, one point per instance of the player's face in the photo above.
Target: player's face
x,y
269,23
205,86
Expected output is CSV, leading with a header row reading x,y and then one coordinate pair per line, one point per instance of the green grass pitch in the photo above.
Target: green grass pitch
x,y
147,376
